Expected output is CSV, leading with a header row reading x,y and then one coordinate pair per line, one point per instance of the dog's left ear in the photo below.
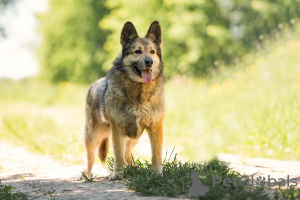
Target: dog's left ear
x,y
128,33
154,33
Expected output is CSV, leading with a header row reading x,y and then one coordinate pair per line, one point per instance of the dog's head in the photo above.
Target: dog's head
x,y
141,57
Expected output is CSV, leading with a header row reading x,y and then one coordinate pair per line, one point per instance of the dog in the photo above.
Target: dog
x,y
127,101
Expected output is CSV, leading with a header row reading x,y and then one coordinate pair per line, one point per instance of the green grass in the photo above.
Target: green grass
x,y
43,135
46,118
253,110
176,181
42,93
290,193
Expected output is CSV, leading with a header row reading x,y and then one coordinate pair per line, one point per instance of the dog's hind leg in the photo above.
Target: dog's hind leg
x,y
95,135
91,141
104,142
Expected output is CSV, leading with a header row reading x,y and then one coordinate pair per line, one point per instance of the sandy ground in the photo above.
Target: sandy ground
x,y
41,177
263,167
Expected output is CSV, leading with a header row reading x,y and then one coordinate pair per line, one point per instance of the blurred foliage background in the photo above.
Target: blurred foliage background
x,y
4,4
81,38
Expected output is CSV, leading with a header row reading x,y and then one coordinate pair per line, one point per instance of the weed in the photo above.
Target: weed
x,y
7,194
290,193
87,178
50,192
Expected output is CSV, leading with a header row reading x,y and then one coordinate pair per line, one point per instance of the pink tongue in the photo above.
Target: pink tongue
x,y
147,75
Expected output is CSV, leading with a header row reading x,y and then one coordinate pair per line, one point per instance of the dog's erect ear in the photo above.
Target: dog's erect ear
x,y
128,33
154,33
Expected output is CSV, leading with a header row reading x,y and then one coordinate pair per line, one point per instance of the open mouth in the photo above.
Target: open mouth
x,y
145,74
137,70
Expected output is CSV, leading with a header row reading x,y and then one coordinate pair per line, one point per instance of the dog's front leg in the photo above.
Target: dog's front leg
x,y
156,139
118,142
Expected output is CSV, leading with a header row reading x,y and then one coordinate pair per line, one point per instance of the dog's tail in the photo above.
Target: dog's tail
x,y
103,149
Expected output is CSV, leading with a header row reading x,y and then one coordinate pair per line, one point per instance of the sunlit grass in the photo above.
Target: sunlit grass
x,y
35,92
253,110
45,118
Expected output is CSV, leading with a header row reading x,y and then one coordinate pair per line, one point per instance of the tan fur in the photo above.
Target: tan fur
x,y
122,105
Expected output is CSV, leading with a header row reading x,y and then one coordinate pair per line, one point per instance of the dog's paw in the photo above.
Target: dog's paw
x,y
157,168
115,177
84,177
80,178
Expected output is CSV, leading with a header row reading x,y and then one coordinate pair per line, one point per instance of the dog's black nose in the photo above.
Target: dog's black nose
x,y
148,62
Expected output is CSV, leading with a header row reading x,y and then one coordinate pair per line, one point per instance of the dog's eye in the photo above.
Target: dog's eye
x,y
152,52
138,51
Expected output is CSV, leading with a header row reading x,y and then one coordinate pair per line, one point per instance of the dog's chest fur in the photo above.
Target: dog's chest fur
x,y
136,106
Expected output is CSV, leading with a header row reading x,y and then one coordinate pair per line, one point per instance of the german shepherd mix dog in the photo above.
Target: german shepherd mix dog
x,y
127,101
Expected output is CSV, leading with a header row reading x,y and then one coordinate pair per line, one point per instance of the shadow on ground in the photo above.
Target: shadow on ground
x,y
38,188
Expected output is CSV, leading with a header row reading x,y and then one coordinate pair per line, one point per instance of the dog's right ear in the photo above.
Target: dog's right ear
x,y
128,33
154,33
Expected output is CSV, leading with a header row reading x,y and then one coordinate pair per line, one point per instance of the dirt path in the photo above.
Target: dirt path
x,y
264,168
40,176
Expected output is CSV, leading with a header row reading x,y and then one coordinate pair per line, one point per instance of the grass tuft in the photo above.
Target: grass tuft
x,y
176,179
291,193
7,194
88,179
